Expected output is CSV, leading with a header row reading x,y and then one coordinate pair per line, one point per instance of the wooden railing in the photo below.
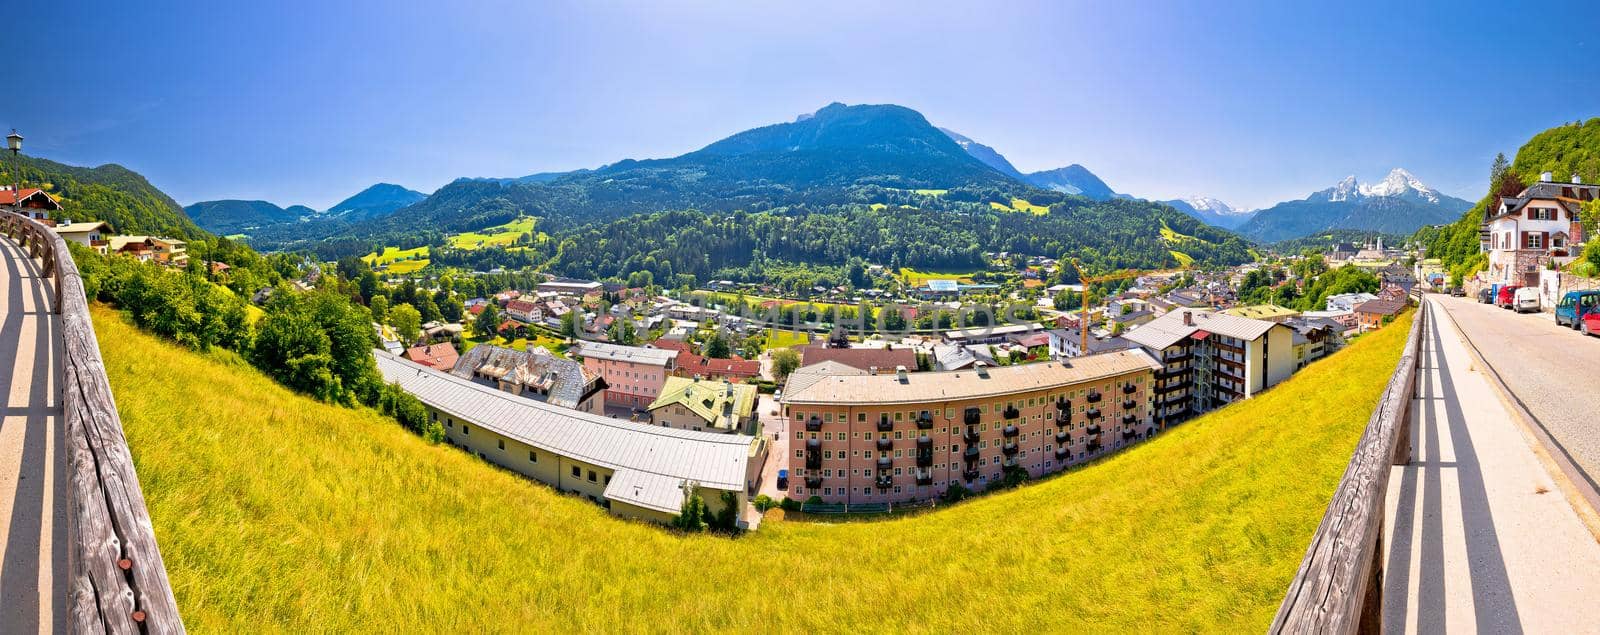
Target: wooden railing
x,y
1339,588
118,583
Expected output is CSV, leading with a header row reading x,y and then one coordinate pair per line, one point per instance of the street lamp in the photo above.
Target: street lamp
x,y
14,141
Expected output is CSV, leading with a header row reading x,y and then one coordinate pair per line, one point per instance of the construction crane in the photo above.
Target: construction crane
x,y
1085,280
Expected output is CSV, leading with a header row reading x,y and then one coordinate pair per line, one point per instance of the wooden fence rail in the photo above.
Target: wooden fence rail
x,y
1339,588
118,583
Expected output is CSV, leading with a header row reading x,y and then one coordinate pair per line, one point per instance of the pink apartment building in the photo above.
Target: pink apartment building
x,y
634,374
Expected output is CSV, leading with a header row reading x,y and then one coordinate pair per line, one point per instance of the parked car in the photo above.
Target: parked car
x,y
1485,296
1525,300
1573,306
1458,292
1591,323
1506,295
783,479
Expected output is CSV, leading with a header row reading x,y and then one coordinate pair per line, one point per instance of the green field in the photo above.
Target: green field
x,y
278,513
494,236
399,261
782,338
1021,205
931,192
917,278
1184,260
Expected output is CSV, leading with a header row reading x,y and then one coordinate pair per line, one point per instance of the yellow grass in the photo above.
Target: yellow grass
x,y
278,513
1183,259
781,338
399,261
494,236
1020,205
917,278
931,192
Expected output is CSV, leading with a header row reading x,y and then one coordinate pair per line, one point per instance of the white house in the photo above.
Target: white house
x,y
1537,226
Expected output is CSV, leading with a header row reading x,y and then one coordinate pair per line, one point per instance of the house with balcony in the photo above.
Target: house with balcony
x,y
1537,227
167,251
93,234
33,203
1212,359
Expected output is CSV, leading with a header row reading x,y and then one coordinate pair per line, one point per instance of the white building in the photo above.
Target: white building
x,y
1537,226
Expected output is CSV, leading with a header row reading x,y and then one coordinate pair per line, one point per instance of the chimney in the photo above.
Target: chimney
x,y
900,374
1188,318
1547,177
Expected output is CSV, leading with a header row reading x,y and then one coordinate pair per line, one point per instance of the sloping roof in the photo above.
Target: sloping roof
x,y
804,376
441,356
967,384
953,356
1261,311
721,405
719,367
82,228
644,489
9,196
564,381
1169,329
619,353
710,458
1381,306
862,358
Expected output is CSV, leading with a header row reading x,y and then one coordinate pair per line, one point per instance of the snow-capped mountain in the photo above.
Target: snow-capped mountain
x,y
1398,204
1211,211
1399,183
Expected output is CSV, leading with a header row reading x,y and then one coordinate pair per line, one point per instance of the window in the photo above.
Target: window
x,y
532,457
576,472
465,430
501,443
591,476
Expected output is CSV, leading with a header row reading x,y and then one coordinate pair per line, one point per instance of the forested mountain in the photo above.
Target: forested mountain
x,y
1400,204
233,216
1566,150
989,156
1322,241
1073,179
1211,211
379,200
111,193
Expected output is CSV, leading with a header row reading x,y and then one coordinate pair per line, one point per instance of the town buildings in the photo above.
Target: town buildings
x,y
872,360
1538,226
1371,314
1212,359
34,202
91,234
904,437
535,374
440,356
634,470
705,405
634,374
169,251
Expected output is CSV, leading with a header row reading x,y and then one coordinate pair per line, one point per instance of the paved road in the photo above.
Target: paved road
x,y
1552,370
776,429
1480,538
33,467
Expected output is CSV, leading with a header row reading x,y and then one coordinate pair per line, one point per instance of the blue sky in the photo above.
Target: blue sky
x,y
1250,102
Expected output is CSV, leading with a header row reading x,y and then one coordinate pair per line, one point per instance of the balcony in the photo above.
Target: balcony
x,y
813,454
1094,397
813,482
814,424
924,451
884,424
885,481
924,478
1129,404
972,416
1094,429
925,420
1171,401
1010,464
970,475
970,436
885,463
1063,437
1063,453
1093,413
1011,431
1128,389
1010,449
885,444
1128,435
1064,405
1063,418
1163,375
1129,420
1175,386
970,455
1011,412
1094,446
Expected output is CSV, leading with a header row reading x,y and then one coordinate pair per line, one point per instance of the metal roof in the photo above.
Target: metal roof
x,y
1169,329
618,353
712,459
959,385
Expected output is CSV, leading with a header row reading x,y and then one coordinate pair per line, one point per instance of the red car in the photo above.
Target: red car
x,y
1590,324
1507,296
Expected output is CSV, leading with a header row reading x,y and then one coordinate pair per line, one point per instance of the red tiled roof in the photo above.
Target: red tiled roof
x,y
670,345
711,367
476,309
9,197
862,358
440,356
521,305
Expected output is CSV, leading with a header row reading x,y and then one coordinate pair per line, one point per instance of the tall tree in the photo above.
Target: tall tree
x,y
407,321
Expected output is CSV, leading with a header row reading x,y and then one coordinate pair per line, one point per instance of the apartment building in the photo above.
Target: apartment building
x,y
634,374
907,437
1209,360
633,470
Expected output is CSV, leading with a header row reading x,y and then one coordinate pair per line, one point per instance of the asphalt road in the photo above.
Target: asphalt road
x,y
1554,371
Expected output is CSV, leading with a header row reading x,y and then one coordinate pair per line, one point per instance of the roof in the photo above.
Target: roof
x,y
81,228
721,404
862,358
967,384
942,285
441,356
9,196
659,454
1096,345
1261,311
521,305
804,376
1381,306
1169,329
720,367
992,331
619,353
563,382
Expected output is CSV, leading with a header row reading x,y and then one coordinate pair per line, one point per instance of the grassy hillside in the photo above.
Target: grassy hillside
x,y
274,509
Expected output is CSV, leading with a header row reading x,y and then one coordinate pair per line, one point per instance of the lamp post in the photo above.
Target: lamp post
x,y
14,141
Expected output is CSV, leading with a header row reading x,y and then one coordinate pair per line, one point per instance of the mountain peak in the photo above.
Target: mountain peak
x,y
1398,183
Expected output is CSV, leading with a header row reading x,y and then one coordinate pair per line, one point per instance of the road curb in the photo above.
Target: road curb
x,y
1582,494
